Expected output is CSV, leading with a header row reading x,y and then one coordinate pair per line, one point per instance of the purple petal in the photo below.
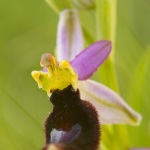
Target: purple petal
x,y
112,109
88,61
69,36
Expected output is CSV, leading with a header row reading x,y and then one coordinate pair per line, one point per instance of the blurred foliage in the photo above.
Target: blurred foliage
x,y
28,29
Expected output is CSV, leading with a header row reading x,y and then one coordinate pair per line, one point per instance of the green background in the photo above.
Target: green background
x,y
28,29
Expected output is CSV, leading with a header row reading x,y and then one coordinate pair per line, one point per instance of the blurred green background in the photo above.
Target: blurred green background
x,y
28,29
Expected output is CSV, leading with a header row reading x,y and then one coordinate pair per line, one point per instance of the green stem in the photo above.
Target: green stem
x,y
106,28
106,20
87,36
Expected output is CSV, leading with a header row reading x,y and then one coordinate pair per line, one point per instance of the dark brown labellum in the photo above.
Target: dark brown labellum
x,y
73,124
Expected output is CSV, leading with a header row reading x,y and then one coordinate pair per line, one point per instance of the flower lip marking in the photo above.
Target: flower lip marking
x,y
65,137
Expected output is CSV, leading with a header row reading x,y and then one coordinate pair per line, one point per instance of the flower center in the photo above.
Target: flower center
x,y
56,76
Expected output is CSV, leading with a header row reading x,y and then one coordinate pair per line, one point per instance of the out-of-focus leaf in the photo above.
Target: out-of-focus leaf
x,y
139,149
132,20
132,40
25,35
138,96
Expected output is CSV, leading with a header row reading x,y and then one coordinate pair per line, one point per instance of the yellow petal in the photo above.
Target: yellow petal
x,y
57,76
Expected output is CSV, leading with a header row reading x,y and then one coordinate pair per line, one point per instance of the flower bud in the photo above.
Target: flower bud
x,y
59,5
84,4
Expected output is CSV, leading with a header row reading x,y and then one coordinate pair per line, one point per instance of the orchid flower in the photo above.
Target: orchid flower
x,y
111,107
71,119
67,83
